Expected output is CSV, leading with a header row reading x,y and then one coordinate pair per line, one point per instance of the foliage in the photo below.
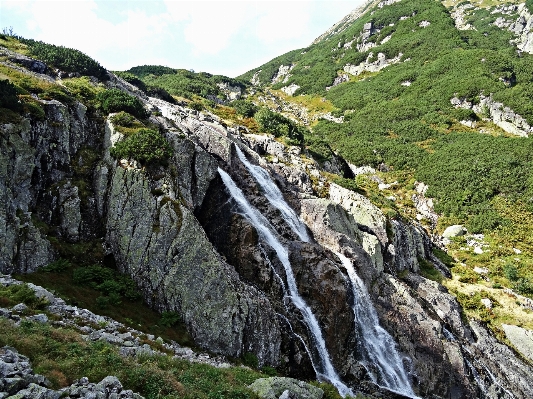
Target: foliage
x,y
169,319
9,96
443,256
146,146
57,266
20,293
123,119
182,82
278,125
428,270
244,108
65,59
250,360
112,285
115,100
84,90
63,357
416,126
529,5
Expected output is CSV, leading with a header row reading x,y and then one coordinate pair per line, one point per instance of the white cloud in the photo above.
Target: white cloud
x,y
76,24
284,21
209,27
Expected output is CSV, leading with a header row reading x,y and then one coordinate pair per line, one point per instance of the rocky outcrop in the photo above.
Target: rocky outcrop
x,y
498,113
41,165
372,66
521,338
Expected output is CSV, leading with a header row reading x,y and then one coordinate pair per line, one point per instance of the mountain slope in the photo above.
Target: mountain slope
x,y
253,230
432,92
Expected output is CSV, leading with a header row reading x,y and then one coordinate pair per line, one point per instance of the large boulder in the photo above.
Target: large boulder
x,y
275,387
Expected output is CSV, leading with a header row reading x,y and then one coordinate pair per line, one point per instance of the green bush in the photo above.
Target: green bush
x,y
9,96
169,319
21,293
115,100
250,360
244,108
65,59
123,119
510,272
278,125
57,266
110,283
146,146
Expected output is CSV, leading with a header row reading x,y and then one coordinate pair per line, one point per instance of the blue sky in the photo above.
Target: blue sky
x,y
219,37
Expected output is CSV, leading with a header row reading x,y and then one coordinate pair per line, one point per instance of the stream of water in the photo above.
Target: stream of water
x,y
380,356
378,349
275,197
323,365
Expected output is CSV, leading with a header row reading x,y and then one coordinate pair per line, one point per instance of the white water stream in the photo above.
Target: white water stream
x,y
380,357
275,197
322,365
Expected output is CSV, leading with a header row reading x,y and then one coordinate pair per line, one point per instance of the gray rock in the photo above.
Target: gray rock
x,y
454,231
39,318
521,338
19,308
275,387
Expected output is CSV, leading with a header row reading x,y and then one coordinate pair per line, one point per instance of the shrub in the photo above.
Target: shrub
x,y
529,5
244,108
14,294
65,59
123,119
278,125
250,360
146,146
169,319
510,272
59,265
8,96
115,100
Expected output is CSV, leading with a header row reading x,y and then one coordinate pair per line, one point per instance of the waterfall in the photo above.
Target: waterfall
x,y
266,231
274,196
380,357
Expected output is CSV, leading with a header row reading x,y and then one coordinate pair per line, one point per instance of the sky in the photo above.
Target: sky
x,y
220,37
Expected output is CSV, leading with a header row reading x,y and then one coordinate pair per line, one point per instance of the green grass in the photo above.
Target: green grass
x,y
63,357
131,312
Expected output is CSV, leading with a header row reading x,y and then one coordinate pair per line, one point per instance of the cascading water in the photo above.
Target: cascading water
x,y
380,357
322,365
275,197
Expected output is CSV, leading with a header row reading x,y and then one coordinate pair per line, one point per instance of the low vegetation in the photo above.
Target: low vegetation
x,y
146,146
63,357
64,58
115,100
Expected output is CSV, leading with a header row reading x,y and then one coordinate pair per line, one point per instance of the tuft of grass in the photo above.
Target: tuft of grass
x,y
428,270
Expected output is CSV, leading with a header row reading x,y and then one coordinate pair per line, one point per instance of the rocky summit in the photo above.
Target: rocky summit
x,y
356,215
